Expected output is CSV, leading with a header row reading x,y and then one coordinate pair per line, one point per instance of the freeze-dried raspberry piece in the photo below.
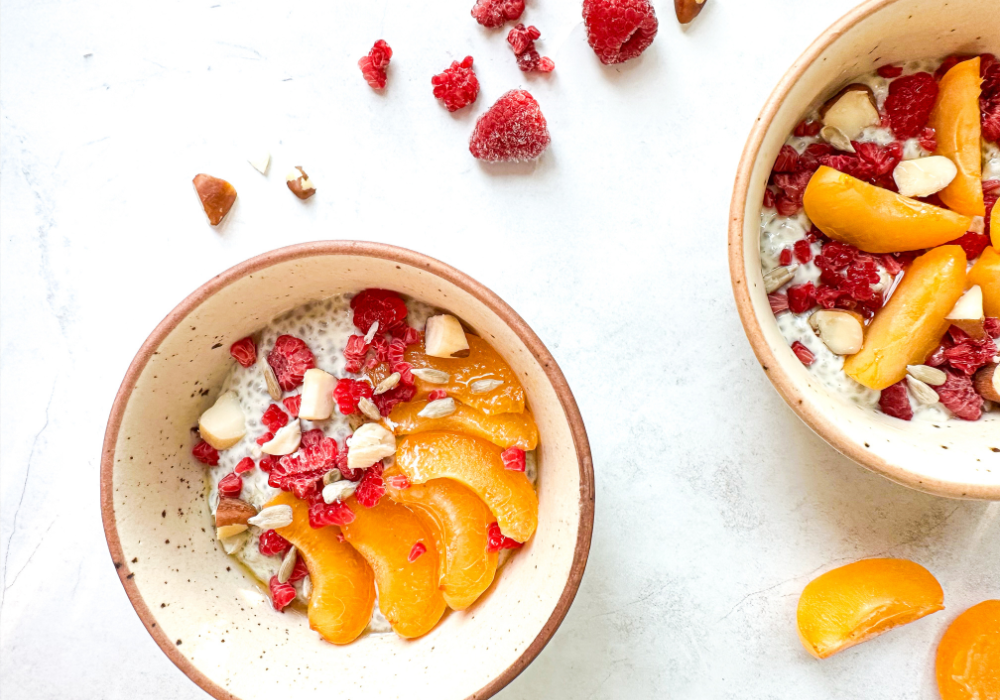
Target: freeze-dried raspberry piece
x,y
522,38
398,394
411,336
947,64
244,465
415,552
290,358
890,71
785,257
618,30
836,256
871,163
497,541
809,158
779,303
320,456
808,127
205,453
801,297
378,305
311,438
265,438
292,404
513,129
274,418
305,487
992,327
380,349
791,188
395,351
371,489
374,64
968,354
299,571
959,396
399,481
267,462
345,471
989,97
530,61
231,485
348,392
244,351
437,395
804,354
322,514
803,251
354,353
494,13
405,370
973,244
457,86
281,594
895,401
768,198
787,160
928,139
909,103
513,459
271,543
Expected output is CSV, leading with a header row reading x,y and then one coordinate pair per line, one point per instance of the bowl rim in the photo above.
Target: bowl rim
x,y
781,379
385,252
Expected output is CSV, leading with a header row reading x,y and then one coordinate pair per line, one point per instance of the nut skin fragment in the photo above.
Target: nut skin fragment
x,y
217,196
300,184
687,10
987,382
233,511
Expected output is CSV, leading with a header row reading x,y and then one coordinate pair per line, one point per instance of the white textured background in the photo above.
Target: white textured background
x,y
715,505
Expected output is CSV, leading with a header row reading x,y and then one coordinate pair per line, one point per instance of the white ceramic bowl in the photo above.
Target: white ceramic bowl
x,y
210,616
955,458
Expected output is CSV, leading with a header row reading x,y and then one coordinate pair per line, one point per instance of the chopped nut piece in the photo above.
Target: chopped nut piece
x,y
300,184
687,10
338,491
851,110
317,395
923,393
432,376
927,374
439,408
369,444
841,331
444,336
273,388
968,313
368,408
233,511
285,441
922,177
223,425
217,196
387,383
987,382
260,162
484,386
287,565
332,477
227,531
836,138
272,517
779,277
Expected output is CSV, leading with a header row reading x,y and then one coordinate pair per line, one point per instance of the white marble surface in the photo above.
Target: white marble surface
x,y
714,506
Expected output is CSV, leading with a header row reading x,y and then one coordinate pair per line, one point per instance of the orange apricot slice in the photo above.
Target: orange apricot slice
x,y
986,273
955,119
874,219
859,601
968,656
909,327
995,227
408,593
343,585
470,378
475,463
459,522
503,429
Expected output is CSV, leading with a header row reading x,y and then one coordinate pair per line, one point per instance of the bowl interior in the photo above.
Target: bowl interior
x,y
954,458
212,617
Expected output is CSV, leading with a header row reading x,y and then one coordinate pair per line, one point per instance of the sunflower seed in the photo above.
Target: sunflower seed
x,y
338,491
371,332
273,388
779,277
369,408
331,476
923,393
927,374
433,376
307,587
272,517
387,383
484,386
287,564
438,409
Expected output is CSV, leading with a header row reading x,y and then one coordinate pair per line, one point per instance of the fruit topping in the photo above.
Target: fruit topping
x,y
378,306
687,10
986,274
244,465
290,358
958,395
292,404
217,197
804,354
374,64
850,111
415,552
369,444
355,352
230,485
299,183
973,244
513,459
955,120
895,401
922,177
244,351
270,542
205,453
909,103
274,419
323,514
281,594
371,489
457,86
348,392
989,98
890,71
513,129
317,395
504,429
231,517
494,13
522,41
778,302
223,425
497,541
968,313
619,30
968,655
843,332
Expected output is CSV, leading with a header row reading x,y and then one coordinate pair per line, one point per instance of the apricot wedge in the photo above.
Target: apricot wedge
x,y
343,585
986,273
909,327
459,523
968,657
995,227
503,429
874,219
471,379
408,592
955,119
852,604
475,463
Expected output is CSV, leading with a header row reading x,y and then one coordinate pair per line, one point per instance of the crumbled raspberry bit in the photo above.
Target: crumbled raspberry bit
x,y
890,71
808,127
804,354
768,198
437,394
513,459
322,514
801,297
320,455
619,30
803,251
894,401
231,485
244,465
292,405
305,487
989,98
497,541
345,471
973,244
371,489
457,86
785,257
274,419
522,41
494,13
947,64
787,160
791,188
398,394
779,302
244,351
290,359
299,571
380,349
354,353
966,354
205,453
395,352
513,129
374,64
991,192
265,438
267,462
348,392
959,396
928,139
872,163
281,594
411,336
378,305
992,327
398,481
271,543
311,438
294,468
415,552
909,104
847,278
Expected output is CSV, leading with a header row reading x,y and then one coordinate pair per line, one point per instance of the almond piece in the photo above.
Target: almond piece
x,y
922,177
217,196
227,531
851,110
299,183
839,330
285,441
223,425
444,336
317,395
987,382
260,162
968,313
687,10
369,444
233,511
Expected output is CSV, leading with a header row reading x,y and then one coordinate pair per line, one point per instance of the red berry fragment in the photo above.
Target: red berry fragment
x,y
205,453
372,488
619,30
244,351
989,98
310,438
966,354
804,354
513,129
513,459
348,392
399,481
274,418
787,160
322,514
290,358
928,139
909,104
890,71
497,541
785,257
374,64
801,297
416,551
398,394
299,571
437,395
522,41
271,543
265,438
244,465
779,303
281,594
411,336
231,485
959,396
768,198
267,462
457,86
494,13
292,404
973,244
381,305
808,128
895,401
354,353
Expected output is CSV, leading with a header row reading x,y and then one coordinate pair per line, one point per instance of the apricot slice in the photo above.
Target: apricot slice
x,y
503,429
909,327
955,119
343,585
968,656
477,464
986,273
874,219
995,227
459,523
859,601
472,380
408,592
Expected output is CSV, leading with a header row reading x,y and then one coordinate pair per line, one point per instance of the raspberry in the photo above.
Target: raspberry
x,y
271,543
231,485
785,258
618,30
348,392
991,191
205,453
395,351
947,65
373,65
299,571
928,139
274,418
267,462
531,61
244,465
265,438
320,456
305,487
836,256
437,395
973,244
371,489
398,394
380,348
399,481
457,86
290,358
895,401
808,128
292,404
787,160
494,13
801,297
381,305
959,396
354,353
873,163
513,129
281,594
244,351
890,71
792,187
992,327
989,97
968,354
804,354
322,514
345,471
513,459
416,551
411,336
768,198
803,251
909,104
779,303
522,38
311,437
496,540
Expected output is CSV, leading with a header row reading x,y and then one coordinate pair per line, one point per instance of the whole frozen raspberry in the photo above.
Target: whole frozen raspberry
x,y
281,594
494,13
374,64
619,29
290,358
909,104
894,401
457,86
378,305
513,129
244,351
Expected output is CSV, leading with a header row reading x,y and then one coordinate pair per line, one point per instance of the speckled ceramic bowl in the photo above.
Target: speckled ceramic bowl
x,y
210,616
954,458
